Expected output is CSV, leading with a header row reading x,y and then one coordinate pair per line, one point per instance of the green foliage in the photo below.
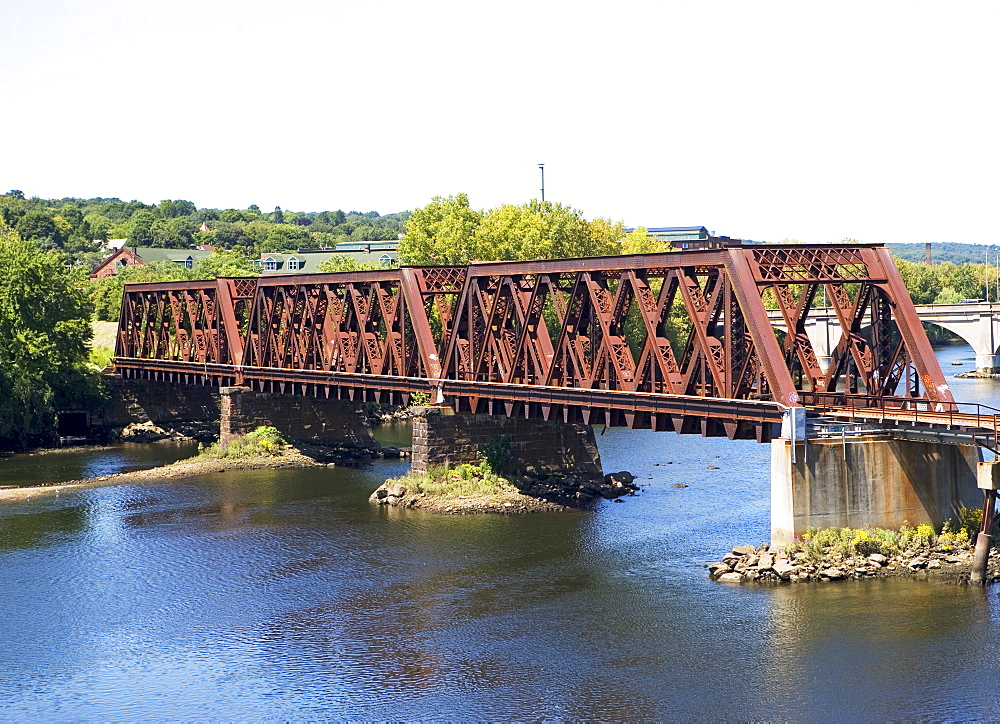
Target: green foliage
x,y
77,226
923,282
953,252
223,264
496,454
465,479
44,333
262,442
100,357
106,293
442,232
948,295
420,399
817,543
970,521
449,231
341,263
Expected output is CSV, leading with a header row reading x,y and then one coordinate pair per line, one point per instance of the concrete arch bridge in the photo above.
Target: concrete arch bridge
x,y
978,323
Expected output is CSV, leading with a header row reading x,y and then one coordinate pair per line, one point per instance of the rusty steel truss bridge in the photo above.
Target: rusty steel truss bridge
x,y
670,341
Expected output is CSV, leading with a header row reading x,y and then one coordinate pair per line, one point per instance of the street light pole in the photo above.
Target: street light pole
x,y
542,167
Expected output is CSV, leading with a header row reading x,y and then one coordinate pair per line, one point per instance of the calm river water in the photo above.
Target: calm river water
x,y
286,595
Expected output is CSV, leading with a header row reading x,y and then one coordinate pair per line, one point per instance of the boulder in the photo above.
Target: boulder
x,y
396,490
621,479
717,569
783,570
143,432
730,578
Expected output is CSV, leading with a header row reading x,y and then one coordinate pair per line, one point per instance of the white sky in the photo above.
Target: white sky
x,y
761,120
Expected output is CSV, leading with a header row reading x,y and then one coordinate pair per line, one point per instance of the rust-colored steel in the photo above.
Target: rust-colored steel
x,y
677,341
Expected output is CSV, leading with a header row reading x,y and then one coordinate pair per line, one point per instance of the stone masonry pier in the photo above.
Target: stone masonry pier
x,y
532,446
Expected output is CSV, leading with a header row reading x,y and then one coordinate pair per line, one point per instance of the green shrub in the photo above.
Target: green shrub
x,y
496,454
817,543
100,357
464,479
262,442
971,521
420,399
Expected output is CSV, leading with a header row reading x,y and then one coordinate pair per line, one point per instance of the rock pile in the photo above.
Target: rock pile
x,y
145,432
744,564
205,432
548,492
576,492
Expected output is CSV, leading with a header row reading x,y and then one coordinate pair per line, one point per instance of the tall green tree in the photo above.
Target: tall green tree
x,y
140,228
449,231
442,232
44,333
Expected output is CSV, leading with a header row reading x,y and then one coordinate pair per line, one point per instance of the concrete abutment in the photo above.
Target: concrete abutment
x,y
868,481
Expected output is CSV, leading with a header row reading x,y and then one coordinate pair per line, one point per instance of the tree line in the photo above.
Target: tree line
x,y
78,227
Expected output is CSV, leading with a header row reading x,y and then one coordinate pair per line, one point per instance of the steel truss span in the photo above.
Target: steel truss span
x,y
673,341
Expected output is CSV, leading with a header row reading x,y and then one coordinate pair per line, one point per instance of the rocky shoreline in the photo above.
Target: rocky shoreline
x,y
765,565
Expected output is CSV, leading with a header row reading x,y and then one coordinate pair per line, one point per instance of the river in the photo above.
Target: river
x,y
286,595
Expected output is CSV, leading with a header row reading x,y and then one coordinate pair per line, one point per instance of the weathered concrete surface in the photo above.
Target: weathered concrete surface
x,y
533,446
865,481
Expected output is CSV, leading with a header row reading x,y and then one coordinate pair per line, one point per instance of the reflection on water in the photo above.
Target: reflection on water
x,y
57,466
285,594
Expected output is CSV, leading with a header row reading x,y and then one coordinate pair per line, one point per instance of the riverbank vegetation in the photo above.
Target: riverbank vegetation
x,y
829,554
465,479
459,489
264,442
820,542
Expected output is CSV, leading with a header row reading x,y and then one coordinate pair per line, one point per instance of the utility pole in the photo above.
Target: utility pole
x,y
542,167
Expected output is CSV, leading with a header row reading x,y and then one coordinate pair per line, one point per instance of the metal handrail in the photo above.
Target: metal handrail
x,y
918,411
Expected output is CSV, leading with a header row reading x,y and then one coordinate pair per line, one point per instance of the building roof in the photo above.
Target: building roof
x,y
149,254
310,259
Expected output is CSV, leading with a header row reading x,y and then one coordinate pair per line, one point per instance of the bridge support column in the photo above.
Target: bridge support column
x,y
871,480
314,420
532,446
987,364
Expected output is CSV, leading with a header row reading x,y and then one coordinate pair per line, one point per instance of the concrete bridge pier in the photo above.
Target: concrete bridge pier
x,y
987,363
864,480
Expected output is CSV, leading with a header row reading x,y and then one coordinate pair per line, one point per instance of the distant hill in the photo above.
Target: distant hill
x,y
941,251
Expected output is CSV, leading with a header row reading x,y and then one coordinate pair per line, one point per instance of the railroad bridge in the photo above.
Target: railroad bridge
x,y
678,341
